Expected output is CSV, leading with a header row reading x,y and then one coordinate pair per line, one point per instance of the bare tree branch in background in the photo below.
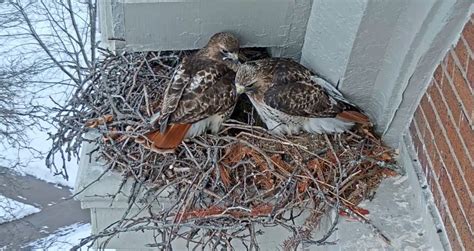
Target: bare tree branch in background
x,y
17,110
48,49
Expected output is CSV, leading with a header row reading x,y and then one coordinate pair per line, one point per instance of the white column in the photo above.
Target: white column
x,y
383,52
330,35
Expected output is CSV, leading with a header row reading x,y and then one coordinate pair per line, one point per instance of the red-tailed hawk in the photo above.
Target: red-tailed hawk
x,y
289,98
200,95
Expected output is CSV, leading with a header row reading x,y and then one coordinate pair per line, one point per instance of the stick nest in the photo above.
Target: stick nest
x,y
222,189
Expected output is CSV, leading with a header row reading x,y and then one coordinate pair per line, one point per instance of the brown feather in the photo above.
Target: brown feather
x,y
354,116
171,139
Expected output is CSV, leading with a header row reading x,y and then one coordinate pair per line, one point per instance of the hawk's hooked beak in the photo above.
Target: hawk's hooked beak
x,y
239,88
234,57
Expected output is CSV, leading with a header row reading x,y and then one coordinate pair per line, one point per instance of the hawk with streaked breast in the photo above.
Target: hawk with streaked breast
x,y
290,98
200,95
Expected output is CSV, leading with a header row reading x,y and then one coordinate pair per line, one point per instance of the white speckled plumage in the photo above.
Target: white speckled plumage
x,y
280,123
212,124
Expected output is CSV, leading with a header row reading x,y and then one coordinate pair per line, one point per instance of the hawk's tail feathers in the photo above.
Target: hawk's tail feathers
x,y
168,141
354,116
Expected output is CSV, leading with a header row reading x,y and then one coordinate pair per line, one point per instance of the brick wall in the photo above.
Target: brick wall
x,y
442,132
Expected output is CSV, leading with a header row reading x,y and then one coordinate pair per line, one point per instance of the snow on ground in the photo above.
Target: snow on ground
x,y
13,210
63,239
32,162
38,169
21,48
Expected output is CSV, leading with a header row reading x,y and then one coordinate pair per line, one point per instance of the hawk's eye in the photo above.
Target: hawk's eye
x,y
251,84
225,51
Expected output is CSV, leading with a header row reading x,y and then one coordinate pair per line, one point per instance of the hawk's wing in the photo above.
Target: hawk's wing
x,y
294,92
280,70
302,98
173,94
199,89
287,71
210,97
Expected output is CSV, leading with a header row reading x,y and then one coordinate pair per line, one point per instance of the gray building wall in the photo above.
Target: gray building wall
x,y
141,25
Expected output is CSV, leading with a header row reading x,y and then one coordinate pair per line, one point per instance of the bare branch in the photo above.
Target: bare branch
x,y
42,44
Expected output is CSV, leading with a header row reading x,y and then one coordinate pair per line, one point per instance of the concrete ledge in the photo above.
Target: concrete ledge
x,y
432,221
97,186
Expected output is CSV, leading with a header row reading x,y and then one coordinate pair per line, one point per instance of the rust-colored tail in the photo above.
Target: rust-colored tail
x,y
168,141
354,116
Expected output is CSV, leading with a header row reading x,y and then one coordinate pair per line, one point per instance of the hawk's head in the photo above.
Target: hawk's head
x,y
224,46
246,78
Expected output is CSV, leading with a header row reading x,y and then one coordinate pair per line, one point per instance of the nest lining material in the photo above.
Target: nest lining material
x,y
222,185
